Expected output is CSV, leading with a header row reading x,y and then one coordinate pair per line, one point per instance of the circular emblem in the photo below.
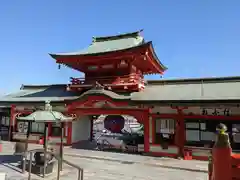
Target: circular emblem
x,y
114,123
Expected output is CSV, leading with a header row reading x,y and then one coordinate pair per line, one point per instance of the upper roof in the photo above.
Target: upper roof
x,y
119,47
176,90
108,44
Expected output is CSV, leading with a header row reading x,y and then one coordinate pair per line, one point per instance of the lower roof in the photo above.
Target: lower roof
x,y
40,93
180,90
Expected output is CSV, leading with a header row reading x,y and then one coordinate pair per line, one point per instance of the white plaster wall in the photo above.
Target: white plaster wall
x,y
171,149
163,110
81,129
199,152
53,140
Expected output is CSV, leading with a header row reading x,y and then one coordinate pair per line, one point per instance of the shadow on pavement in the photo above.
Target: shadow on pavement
x,y
11,161
10,158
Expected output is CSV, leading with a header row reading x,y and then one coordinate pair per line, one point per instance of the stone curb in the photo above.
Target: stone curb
x,y
133,162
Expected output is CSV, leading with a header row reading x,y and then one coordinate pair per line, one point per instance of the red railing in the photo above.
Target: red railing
x,y
115,80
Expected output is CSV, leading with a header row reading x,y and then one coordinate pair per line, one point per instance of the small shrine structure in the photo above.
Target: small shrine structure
x,y
46,116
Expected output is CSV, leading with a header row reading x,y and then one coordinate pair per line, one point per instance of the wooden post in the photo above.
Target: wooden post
x,y
45,147
26,147
30,166
221,153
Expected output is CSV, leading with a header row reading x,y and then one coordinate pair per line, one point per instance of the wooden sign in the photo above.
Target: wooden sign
x,y
23,137
216,111
22,127
213,111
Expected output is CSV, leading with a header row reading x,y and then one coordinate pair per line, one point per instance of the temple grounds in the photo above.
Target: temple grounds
x,y
113,166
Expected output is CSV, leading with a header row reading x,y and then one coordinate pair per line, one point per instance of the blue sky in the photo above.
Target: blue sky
x,y
193,38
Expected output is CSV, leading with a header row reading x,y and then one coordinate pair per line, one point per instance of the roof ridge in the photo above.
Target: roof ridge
x,y
26,86
119,36
197,80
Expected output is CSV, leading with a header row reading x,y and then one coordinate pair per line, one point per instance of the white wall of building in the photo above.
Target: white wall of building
x,y
163,110
81,129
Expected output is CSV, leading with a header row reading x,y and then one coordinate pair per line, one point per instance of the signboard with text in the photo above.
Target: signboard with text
x,y
214,111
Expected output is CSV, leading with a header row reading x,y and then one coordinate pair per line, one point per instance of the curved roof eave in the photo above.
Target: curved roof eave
x,y
156,57
103,92
54,56
147,44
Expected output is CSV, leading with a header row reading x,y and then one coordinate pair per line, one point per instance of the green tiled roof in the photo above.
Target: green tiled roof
x,y
53,93
108,93
205,89
109,44
190,90
46,116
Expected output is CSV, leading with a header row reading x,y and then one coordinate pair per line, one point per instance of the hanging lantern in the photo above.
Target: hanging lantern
x,y
59,66
114,123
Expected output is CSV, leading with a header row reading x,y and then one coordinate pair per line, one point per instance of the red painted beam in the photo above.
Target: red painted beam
x,y
208,117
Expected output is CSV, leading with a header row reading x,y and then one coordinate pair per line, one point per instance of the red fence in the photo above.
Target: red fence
x,y
224,165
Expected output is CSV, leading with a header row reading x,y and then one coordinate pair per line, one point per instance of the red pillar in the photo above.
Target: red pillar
x,y
222,160
146,132
69,133
181,136
153,130
49,129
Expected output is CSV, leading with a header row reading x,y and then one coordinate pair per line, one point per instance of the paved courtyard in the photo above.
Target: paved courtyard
x,y
113,166
109,170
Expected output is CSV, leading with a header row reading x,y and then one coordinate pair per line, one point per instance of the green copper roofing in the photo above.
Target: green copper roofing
x,y
38,93
107,93
204,89
109,44
46,115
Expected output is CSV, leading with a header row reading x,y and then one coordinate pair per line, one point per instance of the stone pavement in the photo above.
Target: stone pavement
x,y
111,170
109,166
193,165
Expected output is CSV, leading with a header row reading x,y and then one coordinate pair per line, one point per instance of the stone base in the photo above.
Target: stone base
x,y
38,169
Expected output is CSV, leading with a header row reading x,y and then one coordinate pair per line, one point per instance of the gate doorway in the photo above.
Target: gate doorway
x,y
118,133
100,134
